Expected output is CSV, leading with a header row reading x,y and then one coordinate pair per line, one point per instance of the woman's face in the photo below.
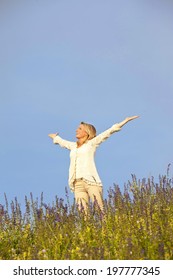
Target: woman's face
x,y
80,132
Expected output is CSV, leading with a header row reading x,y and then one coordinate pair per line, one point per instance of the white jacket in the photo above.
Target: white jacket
x,y
82,164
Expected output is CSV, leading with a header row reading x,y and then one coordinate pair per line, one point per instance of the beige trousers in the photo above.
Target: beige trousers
x,y
83,192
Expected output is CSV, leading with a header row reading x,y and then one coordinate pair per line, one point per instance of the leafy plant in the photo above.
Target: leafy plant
x,y
137,224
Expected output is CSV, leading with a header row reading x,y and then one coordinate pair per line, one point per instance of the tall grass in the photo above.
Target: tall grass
x,y
137,224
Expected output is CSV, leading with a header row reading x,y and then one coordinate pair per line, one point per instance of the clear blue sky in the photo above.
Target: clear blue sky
x,y
63,62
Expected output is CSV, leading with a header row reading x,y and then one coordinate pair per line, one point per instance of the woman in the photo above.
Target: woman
x,y
84,180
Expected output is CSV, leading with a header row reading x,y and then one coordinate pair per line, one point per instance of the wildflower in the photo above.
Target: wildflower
x,y
39,213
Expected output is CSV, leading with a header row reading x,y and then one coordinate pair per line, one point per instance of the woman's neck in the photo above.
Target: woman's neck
x,y
81,141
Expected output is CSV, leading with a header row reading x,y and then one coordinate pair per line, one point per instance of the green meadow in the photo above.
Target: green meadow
x,y
137,225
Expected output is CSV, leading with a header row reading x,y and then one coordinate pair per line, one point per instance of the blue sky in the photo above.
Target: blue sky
x,y
63,62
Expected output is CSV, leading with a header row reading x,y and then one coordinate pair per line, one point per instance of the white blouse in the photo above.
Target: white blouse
x,y
82,164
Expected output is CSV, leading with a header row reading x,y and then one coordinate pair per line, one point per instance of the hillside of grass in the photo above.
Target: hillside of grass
x,y
137,224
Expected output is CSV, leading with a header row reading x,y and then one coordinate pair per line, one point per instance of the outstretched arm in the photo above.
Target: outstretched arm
x,y
107,133
62,142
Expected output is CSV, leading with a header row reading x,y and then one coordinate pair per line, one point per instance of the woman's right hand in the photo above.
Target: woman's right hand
x,y
52,135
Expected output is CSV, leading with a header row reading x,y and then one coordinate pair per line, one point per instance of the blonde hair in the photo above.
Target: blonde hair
x,y
90,130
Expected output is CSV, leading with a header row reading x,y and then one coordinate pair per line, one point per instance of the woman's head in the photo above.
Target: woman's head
x,y
86,130
90,130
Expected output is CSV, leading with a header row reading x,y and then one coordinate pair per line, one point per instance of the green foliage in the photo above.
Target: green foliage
x,y
136,224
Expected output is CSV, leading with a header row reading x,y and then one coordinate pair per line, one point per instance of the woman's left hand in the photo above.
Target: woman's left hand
x,y
131,118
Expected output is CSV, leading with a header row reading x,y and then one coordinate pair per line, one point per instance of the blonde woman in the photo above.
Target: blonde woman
x,y
84,180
